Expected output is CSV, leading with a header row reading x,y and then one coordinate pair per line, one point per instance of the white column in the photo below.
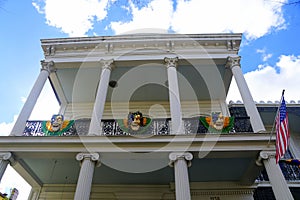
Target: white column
x,y
84,183
234,64
181,162
34,193
175,105
95,125
277,180
5,159
47,68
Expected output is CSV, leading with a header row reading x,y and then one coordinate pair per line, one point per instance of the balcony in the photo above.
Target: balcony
x,y
156,127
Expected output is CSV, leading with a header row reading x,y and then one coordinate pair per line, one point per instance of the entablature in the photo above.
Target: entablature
x,y
213,143
132,47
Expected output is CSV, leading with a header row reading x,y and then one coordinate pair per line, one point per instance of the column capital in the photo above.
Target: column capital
x,y
174,156
264,155
95,157
48,66
107,64
7,156
233,61
171,62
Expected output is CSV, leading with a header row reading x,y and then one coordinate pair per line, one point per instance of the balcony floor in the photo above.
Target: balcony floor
x,y
136,160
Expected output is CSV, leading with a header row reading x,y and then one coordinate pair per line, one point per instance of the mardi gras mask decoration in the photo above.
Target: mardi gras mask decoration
x,y
217,122
57,125
56,122
134,123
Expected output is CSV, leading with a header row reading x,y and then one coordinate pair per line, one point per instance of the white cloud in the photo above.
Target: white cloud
x,y
267,82
5,128
74,17
265,56
155,17
260,51
37,7
254,18
23,99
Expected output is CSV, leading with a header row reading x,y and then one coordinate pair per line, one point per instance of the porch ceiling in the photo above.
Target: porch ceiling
x,y
66,170
202,59
138,81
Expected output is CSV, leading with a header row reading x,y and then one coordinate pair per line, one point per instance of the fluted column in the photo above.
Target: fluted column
x,y
181,162
47,68
5,159
234,64
84,183
174,97
95,125
277,180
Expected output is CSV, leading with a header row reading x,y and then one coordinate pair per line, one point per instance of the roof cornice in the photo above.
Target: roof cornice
x,y
185,44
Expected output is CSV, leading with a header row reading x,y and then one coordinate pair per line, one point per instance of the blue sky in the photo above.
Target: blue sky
x,y
270,48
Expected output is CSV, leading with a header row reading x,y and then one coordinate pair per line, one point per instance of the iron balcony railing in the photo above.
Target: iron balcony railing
x,y
290,172
156,127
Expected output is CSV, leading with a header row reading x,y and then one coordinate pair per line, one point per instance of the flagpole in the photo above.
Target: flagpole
x,y
272,131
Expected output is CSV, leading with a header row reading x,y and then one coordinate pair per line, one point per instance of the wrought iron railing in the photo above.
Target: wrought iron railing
x,y
242,124
36,128
241,119
290,172
156,127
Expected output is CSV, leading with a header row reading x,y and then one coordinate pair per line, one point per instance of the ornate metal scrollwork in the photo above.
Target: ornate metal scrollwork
x,y
35,128
156,127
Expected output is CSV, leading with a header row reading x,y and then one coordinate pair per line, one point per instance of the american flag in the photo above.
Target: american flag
x,y
282,131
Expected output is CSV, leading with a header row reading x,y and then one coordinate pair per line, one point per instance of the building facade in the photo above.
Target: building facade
x,y
144,117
